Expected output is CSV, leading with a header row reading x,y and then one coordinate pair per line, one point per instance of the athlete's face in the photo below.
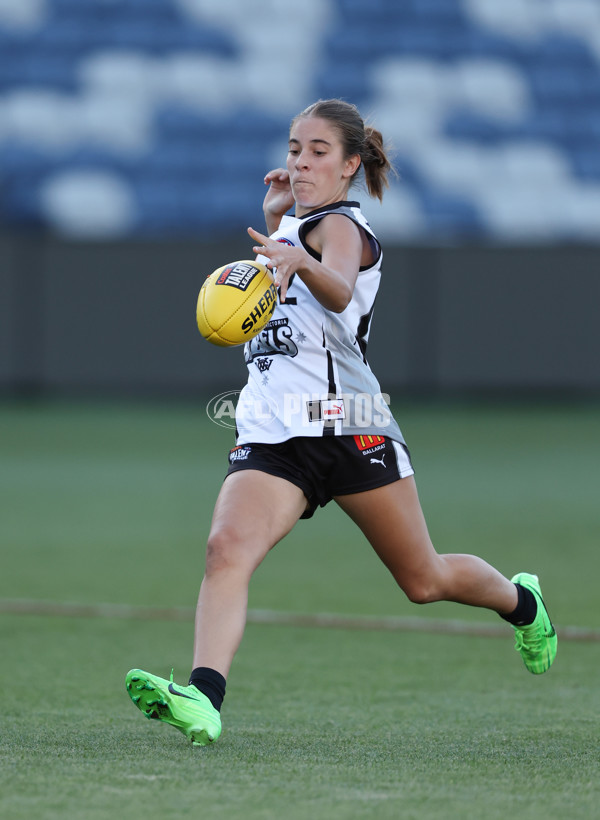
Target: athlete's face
x,y
319,173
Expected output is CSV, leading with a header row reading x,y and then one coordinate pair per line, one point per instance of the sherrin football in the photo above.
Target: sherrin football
x,y
235,302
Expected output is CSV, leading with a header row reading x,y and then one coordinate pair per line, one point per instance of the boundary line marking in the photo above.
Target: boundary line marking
x,y
270,617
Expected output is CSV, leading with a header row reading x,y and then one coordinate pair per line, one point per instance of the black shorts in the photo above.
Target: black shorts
x,y
327,466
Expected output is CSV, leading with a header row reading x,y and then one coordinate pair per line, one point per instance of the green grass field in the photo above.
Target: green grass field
x,y
110,504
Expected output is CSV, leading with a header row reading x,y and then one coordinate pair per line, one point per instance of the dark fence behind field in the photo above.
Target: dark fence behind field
x,y
118,319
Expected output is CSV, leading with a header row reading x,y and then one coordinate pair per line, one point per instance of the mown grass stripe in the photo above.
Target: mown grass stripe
x,y
319,620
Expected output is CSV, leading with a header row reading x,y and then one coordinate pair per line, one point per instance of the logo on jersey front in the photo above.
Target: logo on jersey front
x,y
263,364
275,338
325,409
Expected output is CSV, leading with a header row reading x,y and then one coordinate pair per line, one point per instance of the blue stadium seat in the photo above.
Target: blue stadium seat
x,y
570,129
467,125
556,85
20,203
451,216
83,26
345,79
24,69
586,163
18,160
71,36
554,50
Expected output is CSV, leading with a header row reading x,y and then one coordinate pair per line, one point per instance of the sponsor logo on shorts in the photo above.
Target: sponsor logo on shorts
x,y
239,453
238,276
369,444
379,461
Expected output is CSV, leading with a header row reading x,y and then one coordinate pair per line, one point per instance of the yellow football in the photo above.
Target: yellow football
x,y
235,302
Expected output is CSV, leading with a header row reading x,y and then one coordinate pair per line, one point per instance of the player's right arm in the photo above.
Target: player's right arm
x,y
338,241
278,199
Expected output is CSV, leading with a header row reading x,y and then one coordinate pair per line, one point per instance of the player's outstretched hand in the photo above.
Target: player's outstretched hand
x,y
284,260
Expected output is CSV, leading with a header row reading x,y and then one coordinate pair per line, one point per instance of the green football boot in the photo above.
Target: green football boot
x,y
537,642
184,707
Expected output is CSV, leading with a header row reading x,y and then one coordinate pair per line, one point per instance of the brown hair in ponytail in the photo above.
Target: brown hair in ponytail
x,y
356,138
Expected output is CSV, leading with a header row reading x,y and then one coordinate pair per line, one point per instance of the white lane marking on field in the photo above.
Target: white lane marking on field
x,y
270,617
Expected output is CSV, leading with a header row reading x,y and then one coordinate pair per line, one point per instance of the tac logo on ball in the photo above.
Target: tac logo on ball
x,y
235,302
239,275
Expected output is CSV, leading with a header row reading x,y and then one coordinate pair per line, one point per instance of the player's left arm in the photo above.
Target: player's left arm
x,y
331,281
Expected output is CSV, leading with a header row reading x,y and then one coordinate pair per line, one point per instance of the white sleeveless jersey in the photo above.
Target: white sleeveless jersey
x,y
307,371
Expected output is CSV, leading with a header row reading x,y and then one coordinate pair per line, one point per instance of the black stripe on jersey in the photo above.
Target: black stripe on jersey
x,y
343,203
329,424
363,330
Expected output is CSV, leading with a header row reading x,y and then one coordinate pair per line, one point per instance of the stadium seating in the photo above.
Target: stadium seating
x,y
176,108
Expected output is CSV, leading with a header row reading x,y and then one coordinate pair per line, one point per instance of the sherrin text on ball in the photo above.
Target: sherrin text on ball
x,y
235,302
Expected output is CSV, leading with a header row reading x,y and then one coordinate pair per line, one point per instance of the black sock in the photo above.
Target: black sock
x,y
211,683
526,609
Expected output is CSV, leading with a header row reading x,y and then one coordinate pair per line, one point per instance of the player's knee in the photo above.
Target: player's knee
x,y
421,591
222,550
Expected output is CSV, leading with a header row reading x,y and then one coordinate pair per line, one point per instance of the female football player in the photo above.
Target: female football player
x,y
331,435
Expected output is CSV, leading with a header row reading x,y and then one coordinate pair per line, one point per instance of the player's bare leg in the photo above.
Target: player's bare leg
x,y
253,512
392,520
